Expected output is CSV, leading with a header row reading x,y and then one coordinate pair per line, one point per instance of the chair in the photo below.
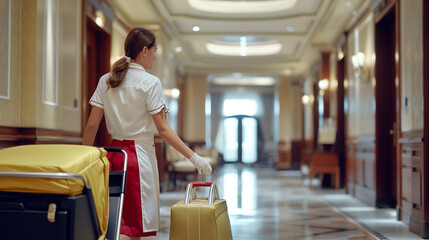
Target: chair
x,y
178,165
210,153
325,163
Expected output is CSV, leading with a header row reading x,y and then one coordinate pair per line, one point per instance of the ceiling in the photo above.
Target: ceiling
x,y
295,36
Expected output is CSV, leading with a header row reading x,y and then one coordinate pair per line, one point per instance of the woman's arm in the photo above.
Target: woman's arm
x,y
169,135
92,125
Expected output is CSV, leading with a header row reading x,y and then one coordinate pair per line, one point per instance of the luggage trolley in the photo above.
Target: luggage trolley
x,y
59,192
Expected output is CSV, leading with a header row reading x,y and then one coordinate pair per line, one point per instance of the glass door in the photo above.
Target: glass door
x,y
231,140
241,139
249,143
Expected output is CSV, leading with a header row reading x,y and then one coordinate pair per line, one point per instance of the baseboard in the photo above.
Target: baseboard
x,y
385,203
419,226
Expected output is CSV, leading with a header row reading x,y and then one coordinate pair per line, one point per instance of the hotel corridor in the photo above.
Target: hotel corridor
x,y
264,203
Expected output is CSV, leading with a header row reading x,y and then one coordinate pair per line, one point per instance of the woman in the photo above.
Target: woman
x,y
134,106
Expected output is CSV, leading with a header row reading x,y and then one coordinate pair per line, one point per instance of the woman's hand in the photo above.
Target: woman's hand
x,y
201,164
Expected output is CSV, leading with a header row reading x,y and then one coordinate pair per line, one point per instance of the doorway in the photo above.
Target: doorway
x,y
385,116
240,135
96,63
241,142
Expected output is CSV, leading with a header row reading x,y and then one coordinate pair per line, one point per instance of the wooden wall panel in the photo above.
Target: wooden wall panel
x,y
359,171
406,184
369,168
360,168
411,155
416,195
350,167
14,136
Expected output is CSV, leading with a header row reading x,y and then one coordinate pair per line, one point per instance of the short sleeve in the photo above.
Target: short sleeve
x,y
97,98
156,100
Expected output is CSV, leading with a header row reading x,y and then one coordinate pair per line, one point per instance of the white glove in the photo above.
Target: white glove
x,y
201,164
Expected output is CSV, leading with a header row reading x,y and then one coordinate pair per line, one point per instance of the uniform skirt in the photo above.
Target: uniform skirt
x,y
132,214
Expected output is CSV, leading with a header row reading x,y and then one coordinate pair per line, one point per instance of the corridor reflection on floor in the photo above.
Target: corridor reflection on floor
x,y
264,203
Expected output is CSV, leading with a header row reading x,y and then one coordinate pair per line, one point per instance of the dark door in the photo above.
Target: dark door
x,y
96,63
340,141
385,96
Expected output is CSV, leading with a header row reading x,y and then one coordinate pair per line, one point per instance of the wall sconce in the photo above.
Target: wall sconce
x,y
323,85
359,67
173,93
305,99
100,19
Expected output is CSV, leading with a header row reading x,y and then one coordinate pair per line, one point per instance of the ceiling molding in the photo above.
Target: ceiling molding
x,y
301,45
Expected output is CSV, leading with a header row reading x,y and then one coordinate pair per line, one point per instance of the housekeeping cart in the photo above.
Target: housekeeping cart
x,y
59,192
200,218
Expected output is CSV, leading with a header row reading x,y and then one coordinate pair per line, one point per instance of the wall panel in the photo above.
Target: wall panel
x,y
411,65
70,65
5,42
10,27
361,168
411,157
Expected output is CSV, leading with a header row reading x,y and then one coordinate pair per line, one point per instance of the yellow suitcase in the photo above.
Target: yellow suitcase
x,y
200,218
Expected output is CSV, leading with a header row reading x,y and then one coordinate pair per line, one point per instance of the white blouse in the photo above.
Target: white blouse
x,y
128,108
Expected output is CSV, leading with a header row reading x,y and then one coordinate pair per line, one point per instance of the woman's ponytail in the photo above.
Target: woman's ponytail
x,y
136,40
119,70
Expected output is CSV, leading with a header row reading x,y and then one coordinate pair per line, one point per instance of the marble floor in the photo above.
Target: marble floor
x,y
264,203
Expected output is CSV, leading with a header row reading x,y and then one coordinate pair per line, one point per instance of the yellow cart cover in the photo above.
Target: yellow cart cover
x,y
90,162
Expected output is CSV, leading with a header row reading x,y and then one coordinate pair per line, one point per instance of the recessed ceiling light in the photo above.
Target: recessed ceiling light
x,y
287,71
196,29
290,29
178,49
244,80
238,7
244,50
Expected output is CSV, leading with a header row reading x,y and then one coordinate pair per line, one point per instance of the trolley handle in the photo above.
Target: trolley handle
x,y
213,192
113,149
119,150
201,184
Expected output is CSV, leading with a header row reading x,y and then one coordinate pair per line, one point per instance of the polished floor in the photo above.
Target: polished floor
x,y
264,203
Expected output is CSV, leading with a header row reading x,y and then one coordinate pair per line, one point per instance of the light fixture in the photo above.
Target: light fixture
x,y
196,29
242,7
173,93
359,67
290,29
243,80
323,84
99,19
178,49
358,60
340,54
244,49
305,99
287,71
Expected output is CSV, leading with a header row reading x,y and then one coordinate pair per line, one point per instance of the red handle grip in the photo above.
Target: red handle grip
x,y
201,184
